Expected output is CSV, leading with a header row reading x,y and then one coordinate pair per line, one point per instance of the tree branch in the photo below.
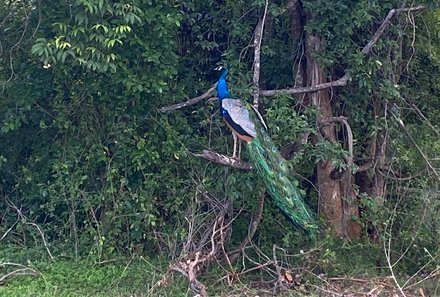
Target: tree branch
x,y
257,56
191,101
343,80
393,12
224,160
301,90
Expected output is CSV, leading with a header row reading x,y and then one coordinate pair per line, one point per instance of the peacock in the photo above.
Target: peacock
x,y
271,166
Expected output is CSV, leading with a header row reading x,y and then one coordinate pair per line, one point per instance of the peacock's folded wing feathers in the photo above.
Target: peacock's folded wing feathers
x,y
274,171
239,114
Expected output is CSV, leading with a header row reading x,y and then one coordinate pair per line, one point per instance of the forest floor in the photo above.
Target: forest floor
x,y
38,275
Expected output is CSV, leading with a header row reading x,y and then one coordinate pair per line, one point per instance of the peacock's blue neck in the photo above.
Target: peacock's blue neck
x,y
222,86
222,89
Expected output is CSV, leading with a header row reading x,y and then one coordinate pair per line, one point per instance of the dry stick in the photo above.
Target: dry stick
x,y
43,237
278,269
430,275
21,270
393,12
257,55
301,90
434,273
10,229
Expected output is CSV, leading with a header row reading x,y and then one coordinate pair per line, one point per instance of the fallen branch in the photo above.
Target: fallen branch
x,y
224,160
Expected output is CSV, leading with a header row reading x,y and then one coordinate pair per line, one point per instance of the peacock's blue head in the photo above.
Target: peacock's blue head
x,y
223,71
222,85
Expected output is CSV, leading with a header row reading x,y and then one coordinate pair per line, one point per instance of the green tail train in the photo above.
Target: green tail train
x,y
274,172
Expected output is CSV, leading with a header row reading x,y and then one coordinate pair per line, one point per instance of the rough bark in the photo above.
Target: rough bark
x,y
337,198
330,202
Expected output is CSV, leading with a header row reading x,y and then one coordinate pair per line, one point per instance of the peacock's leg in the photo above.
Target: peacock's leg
x,y
239,148
234,153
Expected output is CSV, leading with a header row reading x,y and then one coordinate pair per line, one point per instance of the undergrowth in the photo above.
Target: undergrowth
x,y
139,276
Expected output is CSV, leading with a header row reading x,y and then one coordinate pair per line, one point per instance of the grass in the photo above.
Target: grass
x,y
138,277
63,277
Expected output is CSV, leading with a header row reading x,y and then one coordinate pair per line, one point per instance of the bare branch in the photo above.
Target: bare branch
x,y
257,55
393,12
343,80
224,160
301,90
191,101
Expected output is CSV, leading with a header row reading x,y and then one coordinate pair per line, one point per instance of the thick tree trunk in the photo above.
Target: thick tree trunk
x,y
330,202
337,198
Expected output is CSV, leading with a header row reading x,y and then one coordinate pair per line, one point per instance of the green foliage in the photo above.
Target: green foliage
x,y
85,154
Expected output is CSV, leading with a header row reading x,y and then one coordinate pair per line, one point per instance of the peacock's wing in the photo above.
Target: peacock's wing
x,y
239,115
